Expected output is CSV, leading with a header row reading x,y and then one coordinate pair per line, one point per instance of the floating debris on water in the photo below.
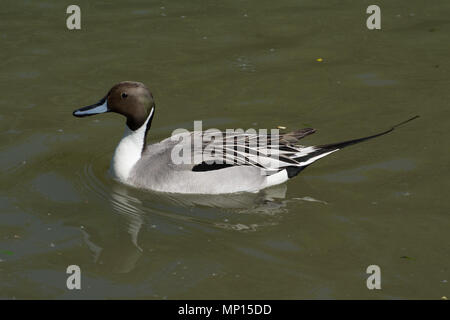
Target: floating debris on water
x,y
244,64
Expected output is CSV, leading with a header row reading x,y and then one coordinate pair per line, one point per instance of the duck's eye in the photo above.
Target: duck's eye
x,y
124,95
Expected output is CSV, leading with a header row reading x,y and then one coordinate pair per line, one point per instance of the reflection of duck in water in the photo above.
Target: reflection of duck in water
x,y
243,165
241,200
120,253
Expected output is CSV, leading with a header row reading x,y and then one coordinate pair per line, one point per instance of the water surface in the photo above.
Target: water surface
x,y
233,64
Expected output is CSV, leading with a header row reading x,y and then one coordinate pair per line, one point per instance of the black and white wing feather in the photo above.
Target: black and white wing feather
x,y
270,153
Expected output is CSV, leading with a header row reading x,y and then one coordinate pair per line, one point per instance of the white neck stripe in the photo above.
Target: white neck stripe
x,y
129,150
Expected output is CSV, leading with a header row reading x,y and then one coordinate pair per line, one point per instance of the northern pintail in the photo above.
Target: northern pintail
x,y
244,165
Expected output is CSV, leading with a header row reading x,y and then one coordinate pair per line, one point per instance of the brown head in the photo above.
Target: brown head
x,y
128,98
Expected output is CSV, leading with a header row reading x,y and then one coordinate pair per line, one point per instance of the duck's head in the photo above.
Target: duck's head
x,y
128,98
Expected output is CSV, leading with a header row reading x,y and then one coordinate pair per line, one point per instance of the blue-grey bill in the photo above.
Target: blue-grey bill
x,y
99,107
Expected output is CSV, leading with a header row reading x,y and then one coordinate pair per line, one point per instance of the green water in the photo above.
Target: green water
x,y
232,64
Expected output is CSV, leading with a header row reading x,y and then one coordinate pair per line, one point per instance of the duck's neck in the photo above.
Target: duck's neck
x,y
129,150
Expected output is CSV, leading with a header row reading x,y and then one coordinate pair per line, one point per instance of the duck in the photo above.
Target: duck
x,y
176,165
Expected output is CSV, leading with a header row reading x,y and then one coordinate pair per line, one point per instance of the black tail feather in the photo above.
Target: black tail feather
x,y
343,144
321,149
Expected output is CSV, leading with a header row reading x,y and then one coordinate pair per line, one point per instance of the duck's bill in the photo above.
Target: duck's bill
x,y
99,107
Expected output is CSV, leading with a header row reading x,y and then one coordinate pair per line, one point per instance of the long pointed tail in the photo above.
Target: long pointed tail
x,y
321,151
343,144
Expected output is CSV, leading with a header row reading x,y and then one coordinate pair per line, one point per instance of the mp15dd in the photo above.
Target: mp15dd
x,y
246,309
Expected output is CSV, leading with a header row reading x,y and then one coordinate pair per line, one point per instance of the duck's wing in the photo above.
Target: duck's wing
x,y
270,152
